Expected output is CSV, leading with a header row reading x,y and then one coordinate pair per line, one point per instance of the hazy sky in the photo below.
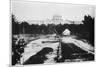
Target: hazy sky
x,y
42,11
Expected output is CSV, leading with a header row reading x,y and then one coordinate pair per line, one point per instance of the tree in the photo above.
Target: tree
x,y
15,25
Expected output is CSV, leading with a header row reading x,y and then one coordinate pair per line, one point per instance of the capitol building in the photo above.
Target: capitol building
x,y
56,19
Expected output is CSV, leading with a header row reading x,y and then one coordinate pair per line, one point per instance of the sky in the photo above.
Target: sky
x,y
25,11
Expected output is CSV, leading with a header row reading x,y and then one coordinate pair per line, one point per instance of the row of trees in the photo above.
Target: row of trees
x,y
85,30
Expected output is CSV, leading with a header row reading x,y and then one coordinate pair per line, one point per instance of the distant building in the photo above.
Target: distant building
x,y
66,32
56,19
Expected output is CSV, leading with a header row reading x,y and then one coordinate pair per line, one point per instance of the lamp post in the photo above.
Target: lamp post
x,y
56,20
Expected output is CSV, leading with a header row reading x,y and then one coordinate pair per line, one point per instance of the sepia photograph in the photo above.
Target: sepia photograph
x,y
50,33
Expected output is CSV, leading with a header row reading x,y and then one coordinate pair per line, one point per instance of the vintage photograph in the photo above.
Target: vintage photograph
x,y
50,33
